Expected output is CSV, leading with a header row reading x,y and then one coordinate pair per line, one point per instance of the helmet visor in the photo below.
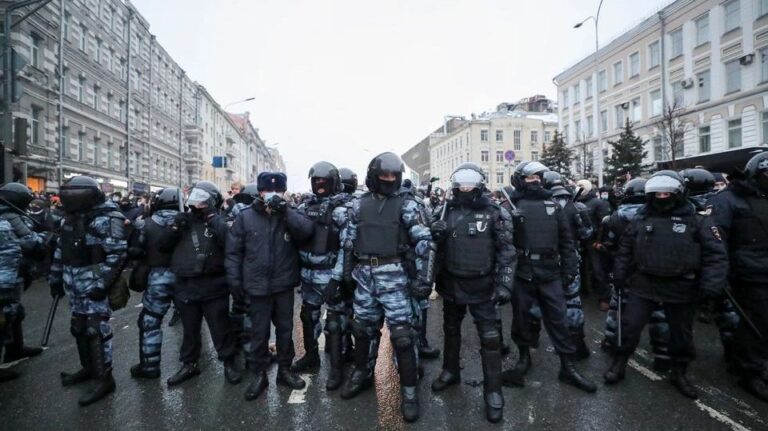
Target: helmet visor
x,y
197,197
663,184
466,179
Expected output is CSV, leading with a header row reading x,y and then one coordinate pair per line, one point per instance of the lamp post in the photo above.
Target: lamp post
x,y
596,19
239,101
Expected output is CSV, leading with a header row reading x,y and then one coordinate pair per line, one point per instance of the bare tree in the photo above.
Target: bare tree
x,y
673,127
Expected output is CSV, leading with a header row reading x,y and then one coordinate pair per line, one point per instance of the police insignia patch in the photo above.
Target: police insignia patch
x,y
678,227
716,233
481,226
287,237
550,210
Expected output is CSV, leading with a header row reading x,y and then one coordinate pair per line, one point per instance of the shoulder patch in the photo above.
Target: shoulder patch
x,y
716,233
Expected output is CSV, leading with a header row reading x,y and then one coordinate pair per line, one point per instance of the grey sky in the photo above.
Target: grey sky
x,y
343,80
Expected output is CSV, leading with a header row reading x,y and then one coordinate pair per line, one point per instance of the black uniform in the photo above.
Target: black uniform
x,y
593,276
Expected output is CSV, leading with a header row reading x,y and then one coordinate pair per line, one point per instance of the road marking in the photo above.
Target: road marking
x,y
139,305
644,371
720,416
531,415
126,326
298,396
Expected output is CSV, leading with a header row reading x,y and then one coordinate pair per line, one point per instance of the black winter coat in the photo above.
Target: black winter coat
x,y
598,208
262,250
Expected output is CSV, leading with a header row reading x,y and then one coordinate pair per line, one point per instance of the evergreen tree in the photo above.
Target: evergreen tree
x,y
557,156
626,157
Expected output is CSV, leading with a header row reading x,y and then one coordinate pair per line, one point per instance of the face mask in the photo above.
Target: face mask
x,y
465,198
562,202
115,199
533,186
387,187
663,205
270,195
604,196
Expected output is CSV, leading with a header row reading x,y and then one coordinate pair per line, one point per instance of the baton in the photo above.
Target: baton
x,y
506,196
445,204
618,316
49,322
742,314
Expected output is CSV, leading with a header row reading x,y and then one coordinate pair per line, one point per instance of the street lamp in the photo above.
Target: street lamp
x,y
596,19
239,101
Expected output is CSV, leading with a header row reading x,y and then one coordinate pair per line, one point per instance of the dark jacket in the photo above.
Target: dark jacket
x,y
598,208
710,277
262,254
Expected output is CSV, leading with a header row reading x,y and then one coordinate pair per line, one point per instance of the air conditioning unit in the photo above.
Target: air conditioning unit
x,y
746,60
687,83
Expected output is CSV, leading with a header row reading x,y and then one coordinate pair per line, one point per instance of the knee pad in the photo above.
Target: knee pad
x,y
309,312
401,336
364,329
490,339
93,326
77,325
333,323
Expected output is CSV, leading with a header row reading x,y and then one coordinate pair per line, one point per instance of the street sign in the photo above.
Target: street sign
x,y
509,155
219,162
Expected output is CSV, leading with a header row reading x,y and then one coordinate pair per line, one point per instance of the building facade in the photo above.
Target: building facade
x,y
701,65
102,97
497,142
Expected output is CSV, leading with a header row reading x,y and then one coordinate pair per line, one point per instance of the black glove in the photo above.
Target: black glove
x,y
277,204
332,293
420,290
97,294
208,212
568,280
181,221
439,229
57,289
501,295
238,293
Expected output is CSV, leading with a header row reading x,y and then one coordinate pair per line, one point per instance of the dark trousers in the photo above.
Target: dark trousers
x,y
679,316
484,313
278,310
751,352
216,314
551,298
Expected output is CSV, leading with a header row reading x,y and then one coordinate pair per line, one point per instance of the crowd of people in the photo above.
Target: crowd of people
x,y
656,251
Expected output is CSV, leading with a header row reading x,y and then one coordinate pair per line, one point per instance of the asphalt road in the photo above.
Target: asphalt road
x,y
644,401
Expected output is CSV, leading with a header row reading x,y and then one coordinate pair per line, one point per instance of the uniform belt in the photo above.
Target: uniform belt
x,y
317,266
378,261
533,255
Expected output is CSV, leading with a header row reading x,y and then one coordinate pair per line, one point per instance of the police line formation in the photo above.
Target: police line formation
x,y
673,244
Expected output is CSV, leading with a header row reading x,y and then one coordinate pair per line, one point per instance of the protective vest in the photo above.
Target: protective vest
x,y
536,230
153,232
75,251
19,227
325,238
667,246
379,231
470,249
749,229
197,252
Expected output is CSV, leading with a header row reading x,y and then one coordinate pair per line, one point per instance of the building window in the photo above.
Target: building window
x,y
655,103
618,73
704,89
678,98
109,59
98,51
577,126
676,39
637,110
565,132
654,55
81,90
658,149
109,155
734,133
484,156
702,30
112,19
37,114
732,14
534,156
619,111
634,65
576,93
34,51
602,81
732,76
121,110
67,18
764,65
500,156
484,135
705,145
499,177
109,105
499,135
65,144
590,126
534,137
81,146
565,98
762,7
589,87
764,117
517,136
83,36
603,121
547,136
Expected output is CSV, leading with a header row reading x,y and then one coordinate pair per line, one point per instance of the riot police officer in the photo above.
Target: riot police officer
x,y
88,261
670,255
157,298
318,257
474,238
17,242
700,184
385,226
546,262
741,214
196,242
242,200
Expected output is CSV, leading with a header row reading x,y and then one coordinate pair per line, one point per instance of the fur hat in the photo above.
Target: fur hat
x,y
272,181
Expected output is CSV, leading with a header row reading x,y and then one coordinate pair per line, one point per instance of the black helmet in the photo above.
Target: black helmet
x,y
665,181
757,165
80,193
698,181
247,194
527,169
205,191
166,199
348,180
385,164
559,191
323,175
16,194
551,179
634,191
467,176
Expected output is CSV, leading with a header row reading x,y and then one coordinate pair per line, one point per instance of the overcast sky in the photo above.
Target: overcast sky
x,y
343,80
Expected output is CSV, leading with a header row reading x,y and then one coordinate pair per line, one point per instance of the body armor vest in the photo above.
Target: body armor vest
x,y
749,230
536,230
667,246
74,249
325,238
470,249
379,231
153,233
197,253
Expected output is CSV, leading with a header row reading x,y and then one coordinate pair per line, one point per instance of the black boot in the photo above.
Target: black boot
x,y
516,375
662,365
425,350
311,359
361,377
408,369
569,375
336,371
140,371
102,372
451,373
409,403
494,398
256,387
17,350
231,373
582,350
681,382
286,377
186,372
83,374
504,346
6,375
615,373
755,385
